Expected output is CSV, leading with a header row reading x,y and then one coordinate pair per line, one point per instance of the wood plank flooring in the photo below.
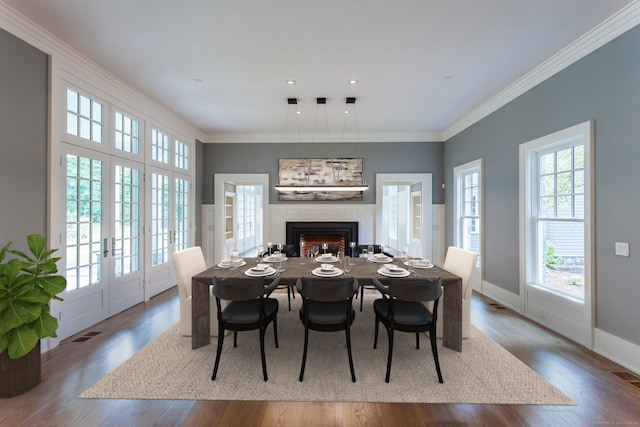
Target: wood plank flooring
x,y
604,399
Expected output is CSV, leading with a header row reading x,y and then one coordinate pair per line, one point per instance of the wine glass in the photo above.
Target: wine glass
x,y
381,248
370,250
405,253
280,247
260,252
314,251
269,245
352,245
325,246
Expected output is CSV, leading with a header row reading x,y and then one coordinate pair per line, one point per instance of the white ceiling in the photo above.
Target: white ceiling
x,y
421,65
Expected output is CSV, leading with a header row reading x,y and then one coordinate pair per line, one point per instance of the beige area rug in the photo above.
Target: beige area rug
x,y
483,373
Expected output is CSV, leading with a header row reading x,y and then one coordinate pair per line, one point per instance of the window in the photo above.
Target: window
x,y
160,231
469,214
182,224
159,146
128,211
248,199
127,134
182,155
84,117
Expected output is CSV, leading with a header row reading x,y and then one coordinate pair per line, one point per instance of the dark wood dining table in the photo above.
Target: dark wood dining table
x,y
361,268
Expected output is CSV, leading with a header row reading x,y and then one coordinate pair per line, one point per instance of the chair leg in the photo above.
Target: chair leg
x,y
275,329
348,333
262,355
361,296
218,352
375,339
304,353
418,340
289,296
434,350
390,332
235,339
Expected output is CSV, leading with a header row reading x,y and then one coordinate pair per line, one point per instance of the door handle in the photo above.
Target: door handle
x,y
105,252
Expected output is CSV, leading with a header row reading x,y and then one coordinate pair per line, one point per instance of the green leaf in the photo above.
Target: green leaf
x,y
52,284
45,326
18,313
36,245
21,341
3,251
4,342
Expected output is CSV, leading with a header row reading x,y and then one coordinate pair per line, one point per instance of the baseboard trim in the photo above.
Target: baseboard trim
x,y
617,350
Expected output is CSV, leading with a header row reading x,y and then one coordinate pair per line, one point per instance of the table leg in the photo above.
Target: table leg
x,y
199,314
452,315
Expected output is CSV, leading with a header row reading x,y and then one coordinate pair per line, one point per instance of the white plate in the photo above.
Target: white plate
x,y
328,258
382,260
231,264
388,273
260,273
271,258
411,264
323,273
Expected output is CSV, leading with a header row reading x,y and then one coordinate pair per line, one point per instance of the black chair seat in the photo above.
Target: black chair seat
x,y
406,312
323,313
248,312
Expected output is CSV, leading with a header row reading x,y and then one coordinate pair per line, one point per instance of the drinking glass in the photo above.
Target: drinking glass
x,y
405,253
280,247
269,245
381,248
280,260
347,265
260,252
352,245
340,256
314,252
325,246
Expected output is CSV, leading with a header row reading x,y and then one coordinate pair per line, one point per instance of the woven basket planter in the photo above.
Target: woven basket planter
x,y
19,375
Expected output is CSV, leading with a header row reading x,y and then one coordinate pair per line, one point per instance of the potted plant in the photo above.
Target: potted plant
x,y
28,283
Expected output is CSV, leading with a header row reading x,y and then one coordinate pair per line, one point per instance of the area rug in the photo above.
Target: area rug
x,y
483,373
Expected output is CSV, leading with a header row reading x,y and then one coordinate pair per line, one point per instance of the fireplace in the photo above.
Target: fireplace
x,y
334,233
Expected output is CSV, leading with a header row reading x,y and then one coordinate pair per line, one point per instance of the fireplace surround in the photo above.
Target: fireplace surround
x,y
334,233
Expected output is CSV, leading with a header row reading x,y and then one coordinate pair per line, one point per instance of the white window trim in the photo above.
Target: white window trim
x,y
527,187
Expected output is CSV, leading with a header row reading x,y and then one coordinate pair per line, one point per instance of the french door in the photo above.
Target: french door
x,y
102,239
170,226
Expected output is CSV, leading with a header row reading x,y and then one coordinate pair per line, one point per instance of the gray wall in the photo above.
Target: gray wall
x,y
605,87
23,140
396,157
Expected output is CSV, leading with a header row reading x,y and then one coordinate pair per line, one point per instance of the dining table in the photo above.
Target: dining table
x,y
363,269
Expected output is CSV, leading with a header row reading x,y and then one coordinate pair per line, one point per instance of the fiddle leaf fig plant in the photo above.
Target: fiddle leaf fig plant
x,y
28,282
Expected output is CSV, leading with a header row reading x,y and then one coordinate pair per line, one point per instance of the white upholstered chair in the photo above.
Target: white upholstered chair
x,y
188,263
461,263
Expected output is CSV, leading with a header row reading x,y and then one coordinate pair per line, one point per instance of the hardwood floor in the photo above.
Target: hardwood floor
x,y
603,399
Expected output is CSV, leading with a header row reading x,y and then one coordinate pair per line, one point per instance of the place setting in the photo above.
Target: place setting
x,y
418,263
392,270
260,270
327,270
380,258
234,262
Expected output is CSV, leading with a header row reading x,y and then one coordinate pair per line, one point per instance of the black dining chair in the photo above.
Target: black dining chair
x,y
248,308
402,308
326,307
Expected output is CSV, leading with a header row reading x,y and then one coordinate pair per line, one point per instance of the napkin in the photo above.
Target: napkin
x,y
421,262
261,267
378,256
326,267
392,267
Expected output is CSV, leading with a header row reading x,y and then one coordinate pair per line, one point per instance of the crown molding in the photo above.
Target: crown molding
x,y
252,138
614,26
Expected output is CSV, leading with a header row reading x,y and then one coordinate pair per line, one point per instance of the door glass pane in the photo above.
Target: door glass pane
x,y
159,219
127,244
182,214
84,221
469,212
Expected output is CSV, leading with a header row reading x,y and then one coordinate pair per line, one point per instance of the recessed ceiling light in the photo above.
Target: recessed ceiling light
x,y
353,82
197,80
448,77
291,82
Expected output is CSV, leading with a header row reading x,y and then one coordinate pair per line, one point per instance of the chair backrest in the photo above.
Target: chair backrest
x,y
238,288
418,290
461,262
320,289
188,263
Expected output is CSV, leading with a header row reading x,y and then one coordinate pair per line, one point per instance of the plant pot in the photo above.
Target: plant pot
x,y
19,375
